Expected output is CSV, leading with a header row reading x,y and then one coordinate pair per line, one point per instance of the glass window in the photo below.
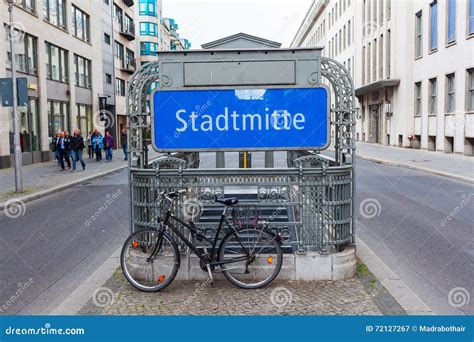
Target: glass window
x,y
418,35
119,87
83,118
82,69
29,5
470,90
58,116
118,13
433,96
29,127
451,21
450,94
148,29
148,48
119,52
25,52
147,7
418,98
56,63
55,12
80,24
434,26
388,53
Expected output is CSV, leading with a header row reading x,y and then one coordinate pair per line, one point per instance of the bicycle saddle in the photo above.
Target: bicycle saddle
x,y
228,201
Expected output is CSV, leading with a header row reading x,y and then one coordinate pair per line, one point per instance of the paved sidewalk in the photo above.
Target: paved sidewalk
x,y
449,165
362,295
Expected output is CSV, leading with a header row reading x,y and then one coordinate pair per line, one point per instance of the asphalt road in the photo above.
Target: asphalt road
x,y
53,248
410,231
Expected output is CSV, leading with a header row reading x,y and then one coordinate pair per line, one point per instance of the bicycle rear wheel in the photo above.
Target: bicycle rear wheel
x,y
253,257
150,263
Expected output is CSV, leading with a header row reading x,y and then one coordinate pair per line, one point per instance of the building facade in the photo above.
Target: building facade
x,y
413,69
62,62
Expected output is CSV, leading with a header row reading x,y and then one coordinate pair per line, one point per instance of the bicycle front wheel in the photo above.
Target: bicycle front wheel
x,y
150,260
251,258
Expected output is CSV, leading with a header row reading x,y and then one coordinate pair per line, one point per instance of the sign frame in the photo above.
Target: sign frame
x,y
238,149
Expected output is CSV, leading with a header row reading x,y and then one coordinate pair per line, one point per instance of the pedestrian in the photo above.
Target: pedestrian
x,y
98,143
54,149
67,157
90,147
108,145
77,145
62,147
124,143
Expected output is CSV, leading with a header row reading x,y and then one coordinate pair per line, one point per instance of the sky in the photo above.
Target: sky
x,y
202,21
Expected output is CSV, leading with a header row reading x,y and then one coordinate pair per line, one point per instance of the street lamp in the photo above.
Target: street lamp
x,y
16,123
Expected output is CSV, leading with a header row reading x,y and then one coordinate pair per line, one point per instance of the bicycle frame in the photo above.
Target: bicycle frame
x,y
167,224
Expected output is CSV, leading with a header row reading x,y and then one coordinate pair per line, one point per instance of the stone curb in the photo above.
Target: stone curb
x,y
416,168
43,193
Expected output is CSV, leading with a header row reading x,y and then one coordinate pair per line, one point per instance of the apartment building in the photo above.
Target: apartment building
x,y
149,16
413,69
62,62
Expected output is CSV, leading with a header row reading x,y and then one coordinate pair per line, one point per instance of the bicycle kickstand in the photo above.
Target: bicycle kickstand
x,y
210,274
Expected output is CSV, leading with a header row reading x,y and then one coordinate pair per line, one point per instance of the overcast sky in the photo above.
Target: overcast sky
x,y
202,21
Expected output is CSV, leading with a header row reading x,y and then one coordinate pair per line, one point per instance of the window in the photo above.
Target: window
x,y
130,58
55,12
349,34
388,53
148,48
374,61
56,63
29,127
470,90
58,116
128,25
107,39
450,94
119,52
434,26
119,87
389,9
80,24
369,75
433,96
25,52
148,29
82,68
363,65
451,38
118,14
381,56
418,98
83,120
147,7
29,5
418,35
380,12
108,78
470,19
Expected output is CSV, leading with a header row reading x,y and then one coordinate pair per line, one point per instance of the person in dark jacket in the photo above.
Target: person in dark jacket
x,y
77,145
98,143
54,144
108,145
62,145
67,157
124,143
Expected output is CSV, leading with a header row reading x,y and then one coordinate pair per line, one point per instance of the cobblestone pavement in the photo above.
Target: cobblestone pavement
x,y
348,297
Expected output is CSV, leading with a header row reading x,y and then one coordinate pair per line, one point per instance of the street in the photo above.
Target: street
x,y
63,238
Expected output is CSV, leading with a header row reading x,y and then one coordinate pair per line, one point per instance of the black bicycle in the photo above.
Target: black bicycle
x,y
249,256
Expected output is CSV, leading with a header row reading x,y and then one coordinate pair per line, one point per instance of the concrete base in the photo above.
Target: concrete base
x,y
309,266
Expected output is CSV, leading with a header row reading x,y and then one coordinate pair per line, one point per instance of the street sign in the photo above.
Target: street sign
x,y
251,119
6,91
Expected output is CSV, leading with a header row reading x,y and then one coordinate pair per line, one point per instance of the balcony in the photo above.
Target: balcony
x,y
129,3
174,36
128,31
129,66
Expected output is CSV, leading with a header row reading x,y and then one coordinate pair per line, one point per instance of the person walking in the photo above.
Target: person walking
x,y
77,145
98,143
124,143
54,144
108,145
62,147
67,157
90,147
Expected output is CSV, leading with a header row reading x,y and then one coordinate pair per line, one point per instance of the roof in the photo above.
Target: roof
x,y
376,86
254,40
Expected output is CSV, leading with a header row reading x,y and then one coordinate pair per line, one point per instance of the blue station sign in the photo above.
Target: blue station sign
x,y
240,119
